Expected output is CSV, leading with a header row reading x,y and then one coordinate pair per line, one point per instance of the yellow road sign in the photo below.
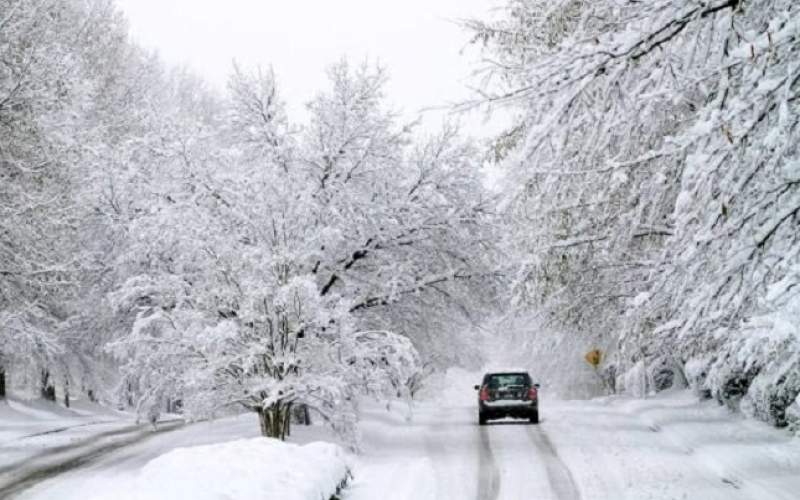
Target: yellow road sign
x,y
593,357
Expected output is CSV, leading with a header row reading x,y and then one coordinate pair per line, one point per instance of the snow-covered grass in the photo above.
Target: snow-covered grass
x,y
247,469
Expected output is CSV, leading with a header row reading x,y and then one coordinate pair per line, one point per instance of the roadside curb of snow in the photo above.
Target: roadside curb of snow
x,y
249,469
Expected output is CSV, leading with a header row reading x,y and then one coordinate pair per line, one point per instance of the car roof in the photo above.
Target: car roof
x,y
507,372
504,369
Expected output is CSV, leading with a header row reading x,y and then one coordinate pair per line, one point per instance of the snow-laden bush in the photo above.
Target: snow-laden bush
x,y
696,371
793,415
634,380
666,373
771,352
756,366
773,391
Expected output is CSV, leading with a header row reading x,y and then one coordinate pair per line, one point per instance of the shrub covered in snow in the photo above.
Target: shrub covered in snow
x,y
793,415
634,380
765,363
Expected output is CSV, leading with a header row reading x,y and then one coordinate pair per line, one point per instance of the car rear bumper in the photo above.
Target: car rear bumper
x,y
513,408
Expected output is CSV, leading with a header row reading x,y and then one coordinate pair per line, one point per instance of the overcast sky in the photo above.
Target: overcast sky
x,y
417,40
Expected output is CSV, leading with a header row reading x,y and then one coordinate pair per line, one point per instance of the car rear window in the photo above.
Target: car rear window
x,y
507,379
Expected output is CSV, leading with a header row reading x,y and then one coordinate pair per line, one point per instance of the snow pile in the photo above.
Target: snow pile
x,y
671,446
259,468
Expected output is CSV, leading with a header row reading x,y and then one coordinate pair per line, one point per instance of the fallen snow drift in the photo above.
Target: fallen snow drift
x,y
259,468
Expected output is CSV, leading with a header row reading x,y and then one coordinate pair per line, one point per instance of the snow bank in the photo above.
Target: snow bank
x,y
248,469
671,446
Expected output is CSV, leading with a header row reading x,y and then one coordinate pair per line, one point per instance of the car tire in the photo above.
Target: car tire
x,y
481,419
535,417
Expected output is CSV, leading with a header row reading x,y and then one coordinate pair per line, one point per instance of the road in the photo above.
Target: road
x,y
516,466
670,447
442,454
54,461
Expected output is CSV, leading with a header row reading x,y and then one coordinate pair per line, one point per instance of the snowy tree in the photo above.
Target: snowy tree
x,y
411,220
651,175
286,256
589,204
44,49
161,242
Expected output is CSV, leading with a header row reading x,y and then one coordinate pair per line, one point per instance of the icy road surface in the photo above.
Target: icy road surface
x,y
668,447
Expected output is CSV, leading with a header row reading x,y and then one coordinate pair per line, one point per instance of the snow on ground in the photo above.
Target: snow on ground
x,y
131,468
402,458
256,468
33,428
20,418
668,447
671,446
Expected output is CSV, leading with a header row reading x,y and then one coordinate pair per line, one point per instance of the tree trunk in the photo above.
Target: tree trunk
x,y
300,415
287,422
2,382
47,389
66,392
274,420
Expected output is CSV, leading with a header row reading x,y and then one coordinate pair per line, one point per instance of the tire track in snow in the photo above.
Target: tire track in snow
x,y
561,481
81,442
57,430
488,474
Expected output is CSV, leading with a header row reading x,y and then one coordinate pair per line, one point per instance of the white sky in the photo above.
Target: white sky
x,y
417,40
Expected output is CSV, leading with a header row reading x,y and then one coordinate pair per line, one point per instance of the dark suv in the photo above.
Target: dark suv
x,y
507,394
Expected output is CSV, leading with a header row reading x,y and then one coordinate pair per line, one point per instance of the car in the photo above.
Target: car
x,y
505,394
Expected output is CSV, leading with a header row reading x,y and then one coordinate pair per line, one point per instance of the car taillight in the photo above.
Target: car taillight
x,y
484,394
532,394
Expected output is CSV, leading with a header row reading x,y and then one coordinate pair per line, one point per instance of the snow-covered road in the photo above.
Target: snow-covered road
x,y
667,447
444,454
